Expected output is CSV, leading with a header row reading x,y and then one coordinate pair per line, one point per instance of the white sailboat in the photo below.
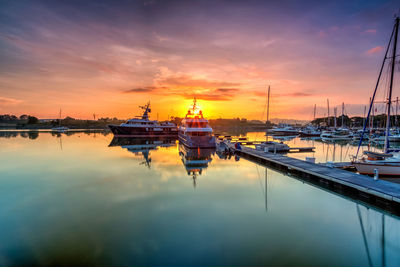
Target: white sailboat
x,y
59,128
271,146
388,162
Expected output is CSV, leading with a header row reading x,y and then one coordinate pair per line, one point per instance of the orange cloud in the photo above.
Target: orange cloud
x,y
374,50
188,81
188,87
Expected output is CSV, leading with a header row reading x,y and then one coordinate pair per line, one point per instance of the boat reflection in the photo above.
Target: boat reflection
x,y
142,146
195,160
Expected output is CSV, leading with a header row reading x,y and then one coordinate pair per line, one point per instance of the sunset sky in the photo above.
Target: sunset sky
x,y
108,57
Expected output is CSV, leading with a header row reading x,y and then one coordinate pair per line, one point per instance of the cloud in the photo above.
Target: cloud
x,y
146,89
370,31
299,94
227,90
217,94
187,87
209,97
9,101
374,50
188,81
290,94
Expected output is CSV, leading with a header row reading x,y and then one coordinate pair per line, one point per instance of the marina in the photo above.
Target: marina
x,y
200,133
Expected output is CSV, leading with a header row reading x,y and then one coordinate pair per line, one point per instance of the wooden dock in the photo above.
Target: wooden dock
x,y
380,193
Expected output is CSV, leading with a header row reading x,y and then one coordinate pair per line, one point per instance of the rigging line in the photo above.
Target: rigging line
x,y
376,87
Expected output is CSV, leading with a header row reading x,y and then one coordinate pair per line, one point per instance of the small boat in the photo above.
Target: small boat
x,y
357,136
284,131
271,146
385,163
143,127
394,137
284,138
195,132
388,162
341,134
275,147
310,131
59,128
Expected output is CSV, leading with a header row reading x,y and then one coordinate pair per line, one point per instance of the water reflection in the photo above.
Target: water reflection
x,y
142,146
381,234
97,208
195,160
33,134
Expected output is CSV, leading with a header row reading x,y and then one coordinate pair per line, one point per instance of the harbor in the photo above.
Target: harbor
x,y
200,133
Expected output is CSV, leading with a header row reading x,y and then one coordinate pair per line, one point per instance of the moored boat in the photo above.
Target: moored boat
x,y
384,163
59,128
195,132
310,131
388,162
284,131
340,134
144,127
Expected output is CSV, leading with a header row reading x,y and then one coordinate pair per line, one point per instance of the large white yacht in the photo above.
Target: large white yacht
x,y
194,131
143,127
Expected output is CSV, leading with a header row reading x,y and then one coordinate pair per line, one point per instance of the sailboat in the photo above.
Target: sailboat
x,y
388,162
59,128
310,130
271,146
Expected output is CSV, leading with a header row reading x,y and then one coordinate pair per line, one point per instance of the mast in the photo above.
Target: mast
x,y
59,121
365,110
342,114
391,85
373,115
335,114
397,107
328,113
269,89
315,110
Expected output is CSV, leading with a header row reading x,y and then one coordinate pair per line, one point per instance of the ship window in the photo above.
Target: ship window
x,y
197,124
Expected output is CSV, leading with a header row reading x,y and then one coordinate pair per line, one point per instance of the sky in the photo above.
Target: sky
x,y
108,57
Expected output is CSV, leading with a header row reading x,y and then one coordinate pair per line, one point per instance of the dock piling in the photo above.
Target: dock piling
x,y
376,174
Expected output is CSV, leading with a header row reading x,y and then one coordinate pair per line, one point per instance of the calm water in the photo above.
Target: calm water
x,y
75,199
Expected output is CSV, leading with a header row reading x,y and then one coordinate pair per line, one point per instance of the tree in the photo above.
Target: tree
x,y
32,120
23,117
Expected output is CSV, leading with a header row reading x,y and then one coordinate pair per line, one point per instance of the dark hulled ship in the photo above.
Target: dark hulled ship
x,y
143,127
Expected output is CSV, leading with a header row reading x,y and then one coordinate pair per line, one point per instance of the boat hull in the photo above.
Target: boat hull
x,y
383,169
124,131
310,134
273,147
197,141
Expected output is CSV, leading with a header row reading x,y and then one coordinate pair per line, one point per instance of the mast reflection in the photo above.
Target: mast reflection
x,y
195,160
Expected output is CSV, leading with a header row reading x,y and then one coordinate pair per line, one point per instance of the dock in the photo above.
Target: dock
x,y
291,150
380,193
